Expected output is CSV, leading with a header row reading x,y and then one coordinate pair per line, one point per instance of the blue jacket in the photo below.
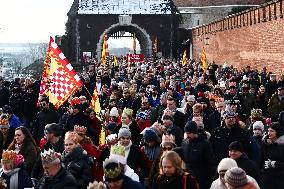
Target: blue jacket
x,y
15,122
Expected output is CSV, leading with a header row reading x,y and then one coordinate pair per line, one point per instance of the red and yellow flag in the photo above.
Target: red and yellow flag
x,y
134,43
96,106
204,63
115,61
59,80
105,53
184,59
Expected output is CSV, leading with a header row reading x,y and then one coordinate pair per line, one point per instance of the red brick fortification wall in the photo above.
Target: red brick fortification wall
x,y
198,3
254,37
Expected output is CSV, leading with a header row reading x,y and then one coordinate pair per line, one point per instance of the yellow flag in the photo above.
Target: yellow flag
x,y
115,61
184,59
204,63
134,43
105,53
102,139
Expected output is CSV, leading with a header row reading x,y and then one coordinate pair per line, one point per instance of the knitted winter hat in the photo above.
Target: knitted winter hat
x,y
236,177
191,127
114,112
124,132
226,164
258,125
236,145
7,110
150,136
111,126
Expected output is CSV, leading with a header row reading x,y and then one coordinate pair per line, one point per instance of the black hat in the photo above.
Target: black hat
x,y
111,126
54,128
7,110
236,145
191,127
150,136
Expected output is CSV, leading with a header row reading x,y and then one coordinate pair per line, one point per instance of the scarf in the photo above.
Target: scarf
x,y
13,174
152,153
17,148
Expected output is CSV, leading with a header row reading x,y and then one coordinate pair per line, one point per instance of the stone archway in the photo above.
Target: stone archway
x,y
141,34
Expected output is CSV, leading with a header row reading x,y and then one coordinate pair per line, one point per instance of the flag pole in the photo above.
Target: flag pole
x,y
85,88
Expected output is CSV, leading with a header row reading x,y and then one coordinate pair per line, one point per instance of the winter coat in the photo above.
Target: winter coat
x,y
157,113
273,177
79,164
175,182
62,180
177,132
249,102
16,103
9,140
37,171
23,180
179,119
29,106
222,137
4,96
135,160
275,106
128,183
14,122
199,158
43,118
249,167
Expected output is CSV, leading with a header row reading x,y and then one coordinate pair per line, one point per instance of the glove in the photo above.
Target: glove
x,y
269,164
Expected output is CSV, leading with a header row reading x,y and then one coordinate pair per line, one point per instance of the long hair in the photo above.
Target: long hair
x,y
28,139
175,160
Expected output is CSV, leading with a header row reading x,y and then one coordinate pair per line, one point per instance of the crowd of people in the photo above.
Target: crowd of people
x,y
166,126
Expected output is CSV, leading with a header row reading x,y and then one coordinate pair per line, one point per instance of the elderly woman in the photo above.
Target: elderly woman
x,y
16,177
76,160
172,173
25,145
272,158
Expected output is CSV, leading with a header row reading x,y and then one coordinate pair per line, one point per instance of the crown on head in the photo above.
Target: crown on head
x,y
112,169
117,150
4,121
256,113
72,135
80,129
128,111
9,155
50,157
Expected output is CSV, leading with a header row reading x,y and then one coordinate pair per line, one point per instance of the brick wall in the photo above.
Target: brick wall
x,y
197,3
254,37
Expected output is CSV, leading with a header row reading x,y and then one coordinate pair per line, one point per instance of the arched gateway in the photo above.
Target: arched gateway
x,y
89,20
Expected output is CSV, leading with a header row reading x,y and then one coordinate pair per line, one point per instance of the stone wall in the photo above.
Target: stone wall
x,y
199,3
254,37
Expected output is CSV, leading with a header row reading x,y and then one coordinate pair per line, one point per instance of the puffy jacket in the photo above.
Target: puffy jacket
x,y
79,164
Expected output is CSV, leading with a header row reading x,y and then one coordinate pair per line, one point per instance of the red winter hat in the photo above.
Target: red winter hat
x,y
200,94
75,101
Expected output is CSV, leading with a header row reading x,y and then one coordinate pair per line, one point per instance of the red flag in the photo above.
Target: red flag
x,y
59,79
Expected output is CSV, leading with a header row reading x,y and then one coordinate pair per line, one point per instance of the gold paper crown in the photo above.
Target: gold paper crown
x,y
4,121
256,113
168,139
117,150
80,129
112,169
50,156
128,111
9,155
72,135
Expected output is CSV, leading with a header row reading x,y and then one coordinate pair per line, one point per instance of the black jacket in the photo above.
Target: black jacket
x,y
249,167
63,180
199,158
135,133
136,161
174,182
79,164
222,137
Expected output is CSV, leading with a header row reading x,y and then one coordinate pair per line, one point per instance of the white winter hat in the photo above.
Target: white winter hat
x,y
114,112
191,98
258,125
222,84
226,164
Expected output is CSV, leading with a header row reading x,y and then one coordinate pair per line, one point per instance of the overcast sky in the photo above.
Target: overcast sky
x,y
32,21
